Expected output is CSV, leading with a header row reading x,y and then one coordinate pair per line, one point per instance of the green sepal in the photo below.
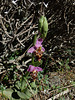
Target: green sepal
x,y
40,24
45,27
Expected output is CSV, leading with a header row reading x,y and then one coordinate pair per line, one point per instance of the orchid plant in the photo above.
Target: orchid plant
x,y
37,50
26,88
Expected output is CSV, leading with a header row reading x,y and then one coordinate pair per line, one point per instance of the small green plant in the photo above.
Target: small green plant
x,y
43,82
64,64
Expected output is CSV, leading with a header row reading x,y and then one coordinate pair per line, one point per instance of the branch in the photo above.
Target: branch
x,y
5,30
58,95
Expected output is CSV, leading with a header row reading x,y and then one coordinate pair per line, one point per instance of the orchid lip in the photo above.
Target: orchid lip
x,y
33,68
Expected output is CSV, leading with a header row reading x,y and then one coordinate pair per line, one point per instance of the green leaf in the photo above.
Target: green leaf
x,y
60,63
47,82
73,82
67,66
46,76
27,92
58,87
33,85
40,87
22,95
35,91
8,93
23,85
18,84
63,98
53,86
11,58
67,61
47,87
15,99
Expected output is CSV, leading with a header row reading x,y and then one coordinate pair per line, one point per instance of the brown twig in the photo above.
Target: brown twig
x,y
58,95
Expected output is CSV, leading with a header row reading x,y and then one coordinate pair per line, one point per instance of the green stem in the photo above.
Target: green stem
x,y
34,39
33,59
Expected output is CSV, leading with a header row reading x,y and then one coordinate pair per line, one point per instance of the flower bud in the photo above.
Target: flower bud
x,y
43,27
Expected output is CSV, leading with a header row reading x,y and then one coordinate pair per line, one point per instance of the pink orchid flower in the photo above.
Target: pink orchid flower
x,y
34,69
37,46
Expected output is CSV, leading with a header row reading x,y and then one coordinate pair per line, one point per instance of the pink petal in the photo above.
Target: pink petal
x,y
31,68
31,50
38,69
43,49
38,43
